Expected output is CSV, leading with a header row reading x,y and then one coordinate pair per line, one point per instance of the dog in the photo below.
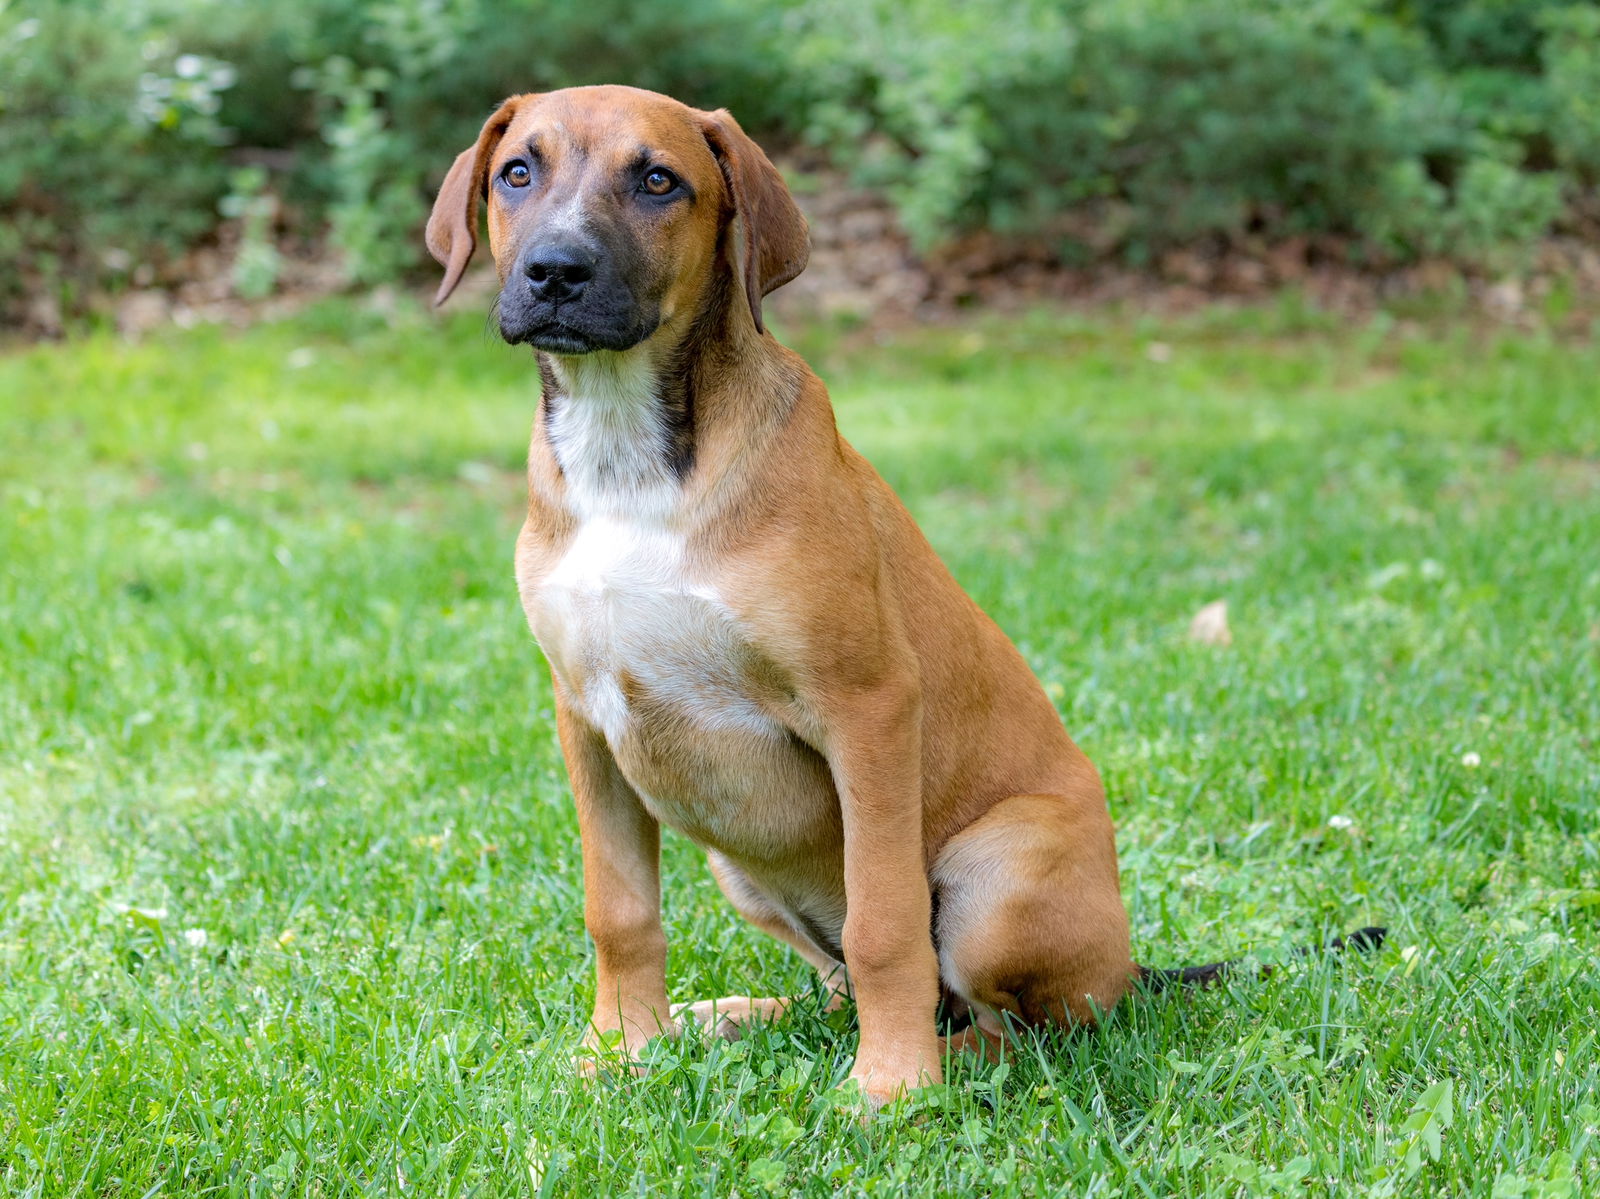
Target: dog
x,y
750,641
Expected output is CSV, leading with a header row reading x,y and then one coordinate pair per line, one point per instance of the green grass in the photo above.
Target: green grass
x,y
263,674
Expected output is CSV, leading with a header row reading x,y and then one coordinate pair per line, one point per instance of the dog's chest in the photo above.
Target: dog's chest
x,y
653,658
650,653
637,640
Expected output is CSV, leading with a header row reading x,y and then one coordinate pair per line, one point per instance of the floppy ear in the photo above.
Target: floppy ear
x,y
776,242
453,225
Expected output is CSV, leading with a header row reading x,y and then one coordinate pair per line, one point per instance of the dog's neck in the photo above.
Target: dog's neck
x,y
628,429
622,450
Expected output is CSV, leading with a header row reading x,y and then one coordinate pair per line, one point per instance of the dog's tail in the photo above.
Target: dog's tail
x,y
1153,979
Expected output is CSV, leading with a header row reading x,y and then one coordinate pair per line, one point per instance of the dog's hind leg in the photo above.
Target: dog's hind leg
x,y
727,1017
1030,920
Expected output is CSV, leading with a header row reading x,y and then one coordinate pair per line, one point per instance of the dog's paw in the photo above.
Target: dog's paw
x,y
589,1066
878,1090
612,1054
884,1078
985,1045
729,1016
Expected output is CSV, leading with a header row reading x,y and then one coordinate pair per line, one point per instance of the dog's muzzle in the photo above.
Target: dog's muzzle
x,y
568,297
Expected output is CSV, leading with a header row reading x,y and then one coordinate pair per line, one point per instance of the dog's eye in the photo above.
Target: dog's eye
x,y
658,182
516,173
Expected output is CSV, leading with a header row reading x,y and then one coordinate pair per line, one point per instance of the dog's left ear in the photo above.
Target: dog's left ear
x,y
776,241
453,225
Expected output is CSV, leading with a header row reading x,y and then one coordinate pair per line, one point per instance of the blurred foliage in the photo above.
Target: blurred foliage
x,y
256,265
110,147
1572,70
1117,127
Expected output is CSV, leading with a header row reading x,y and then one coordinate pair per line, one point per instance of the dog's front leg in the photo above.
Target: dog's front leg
x,y
622,894
875,754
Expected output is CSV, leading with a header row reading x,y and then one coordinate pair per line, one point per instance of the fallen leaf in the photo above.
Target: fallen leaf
x,y
1210,625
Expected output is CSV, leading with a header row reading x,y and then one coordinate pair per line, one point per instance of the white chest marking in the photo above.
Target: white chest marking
x,y
621,605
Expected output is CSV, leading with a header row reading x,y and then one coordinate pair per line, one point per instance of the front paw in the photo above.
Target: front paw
x,y
594,1060
616,1051
882,1082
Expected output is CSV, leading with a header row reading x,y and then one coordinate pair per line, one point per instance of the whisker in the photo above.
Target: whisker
x,y
491,319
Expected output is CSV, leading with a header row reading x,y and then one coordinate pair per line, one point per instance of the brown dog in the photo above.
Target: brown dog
x,y
750,640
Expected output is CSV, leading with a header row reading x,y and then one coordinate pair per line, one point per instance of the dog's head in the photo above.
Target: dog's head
x,y
607,209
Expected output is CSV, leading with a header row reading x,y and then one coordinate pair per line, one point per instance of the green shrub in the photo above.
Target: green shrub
x,y
256,266
1211,119
376,173
1474,34
109,140
917,116
1179,120
1491,217
1572,67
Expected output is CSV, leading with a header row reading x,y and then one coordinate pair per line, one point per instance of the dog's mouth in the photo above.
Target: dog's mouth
x,y
553,335
613,322
558,340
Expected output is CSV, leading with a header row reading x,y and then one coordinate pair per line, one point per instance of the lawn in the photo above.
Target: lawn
x,y
290,899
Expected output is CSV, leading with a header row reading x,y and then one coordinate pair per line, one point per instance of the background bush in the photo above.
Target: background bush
x,y
1466,128
110,149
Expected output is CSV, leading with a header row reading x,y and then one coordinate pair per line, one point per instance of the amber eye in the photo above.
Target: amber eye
x,y
517,173
659,182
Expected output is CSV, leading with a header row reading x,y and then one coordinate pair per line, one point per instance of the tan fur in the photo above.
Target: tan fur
x,y
766,654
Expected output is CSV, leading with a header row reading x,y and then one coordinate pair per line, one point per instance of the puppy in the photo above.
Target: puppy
x,y
750,640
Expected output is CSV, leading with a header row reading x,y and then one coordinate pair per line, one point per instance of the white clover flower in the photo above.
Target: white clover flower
x,y
1471,760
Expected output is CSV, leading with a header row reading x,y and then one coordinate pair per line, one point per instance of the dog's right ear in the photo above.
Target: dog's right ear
x,y
453,225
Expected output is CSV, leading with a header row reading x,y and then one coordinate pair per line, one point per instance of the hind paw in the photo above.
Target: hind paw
x,y
728,1017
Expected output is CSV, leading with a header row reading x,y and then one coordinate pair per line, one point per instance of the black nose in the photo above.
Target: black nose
x,y
557,272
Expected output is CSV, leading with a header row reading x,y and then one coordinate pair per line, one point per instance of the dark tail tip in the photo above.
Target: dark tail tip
x,y
1196,977
1363,940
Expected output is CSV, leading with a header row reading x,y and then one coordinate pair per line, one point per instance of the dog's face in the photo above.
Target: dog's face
x,y
606,212
603,217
